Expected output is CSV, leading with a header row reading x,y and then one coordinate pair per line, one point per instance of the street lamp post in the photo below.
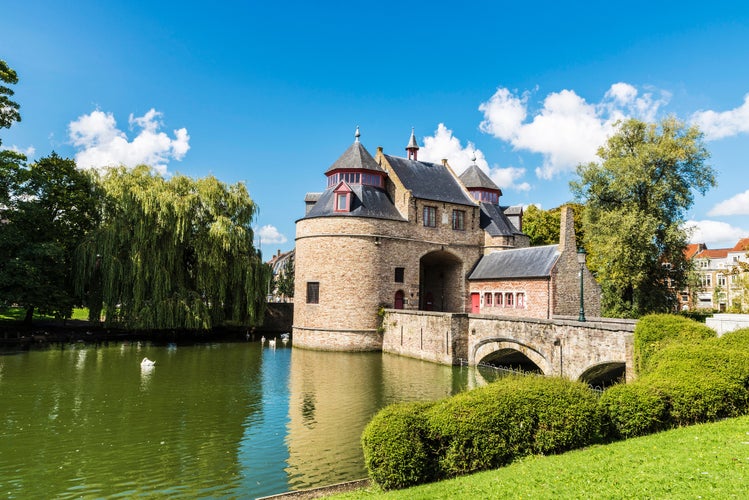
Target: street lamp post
x,y
581,260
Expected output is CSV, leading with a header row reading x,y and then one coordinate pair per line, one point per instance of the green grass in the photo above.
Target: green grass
x,y
18,314
701,461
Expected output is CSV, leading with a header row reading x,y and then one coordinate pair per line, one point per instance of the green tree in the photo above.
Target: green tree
x,y
45,209
175,253
542,226
635,201
285,279
8,108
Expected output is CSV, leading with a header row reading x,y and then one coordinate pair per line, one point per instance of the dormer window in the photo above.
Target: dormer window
x,y
342,200
485,195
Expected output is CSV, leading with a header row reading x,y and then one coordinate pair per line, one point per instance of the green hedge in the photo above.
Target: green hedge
x,y
396,452
737,339
634,409
656,331
477,430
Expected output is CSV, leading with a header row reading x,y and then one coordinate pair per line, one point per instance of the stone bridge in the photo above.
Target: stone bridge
x,y
597,351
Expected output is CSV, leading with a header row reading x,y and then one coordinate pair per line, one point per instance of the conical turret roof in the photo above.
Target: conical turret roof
x,y
355,157
475,178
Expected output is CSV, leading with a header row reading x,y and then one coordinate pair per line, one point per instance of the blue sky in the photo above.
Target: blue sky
x,y
270,93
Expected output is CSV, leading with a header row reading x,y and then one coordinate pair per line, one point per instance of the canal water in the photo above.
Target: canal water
x,y
222,420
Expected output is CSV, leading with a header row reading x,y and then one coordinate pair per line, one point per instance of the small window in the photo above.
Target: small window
x,y
707,280
313,292
459,220
488,299
430,216
399,273
509,300
341,202
520,301
498,299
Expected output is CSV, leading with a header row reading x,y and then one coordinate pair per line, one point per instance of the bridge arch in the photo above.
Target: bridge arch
x,y
604,374
513,353
441,282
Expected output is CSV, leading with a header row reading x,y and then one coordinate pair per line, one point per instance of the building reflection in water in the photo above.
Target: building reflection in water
x,y
333,396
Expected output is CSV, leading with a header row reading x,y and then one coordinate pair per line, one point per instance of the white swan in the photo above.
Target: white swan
x,y
272,343
147,362
262,340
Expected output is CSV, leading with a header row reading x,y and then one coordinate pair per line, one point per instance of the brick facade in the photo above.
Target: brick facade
x,y
349,266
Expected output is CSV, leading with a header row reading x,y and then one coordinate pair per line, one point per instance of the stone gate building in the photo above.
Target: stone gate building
x,y
393,232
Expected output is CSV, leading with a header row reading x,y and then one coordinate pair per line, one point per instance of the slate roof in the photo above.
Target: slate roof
x,y
366,201
355,157
519,263
474,177
312,197
429,181
494,221
512,210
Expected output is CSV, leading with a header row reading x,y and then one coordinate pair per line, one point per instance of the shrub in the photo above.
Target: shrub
x,y
634,409
737,339
396,454
704,381
656,331
477,430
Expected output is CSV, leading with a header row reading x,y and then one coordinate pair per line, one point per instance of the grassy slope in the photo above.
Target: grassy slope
x,y
17,314
701,461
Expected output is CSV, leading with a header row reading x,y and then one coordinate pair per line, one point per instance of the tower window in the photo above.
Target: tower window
x,y
459,220
399,273
313,292
430,216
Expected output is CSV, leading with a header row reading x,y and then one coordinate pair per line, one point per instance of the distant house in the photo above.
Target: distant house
x,y
278,265
401,233
723,275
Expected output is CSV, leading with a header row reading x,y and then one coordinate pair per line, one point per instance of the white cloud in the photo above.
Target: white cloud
x,y
443,144
567,130
101,144
717,125
28,152
269,234
714,233
736,205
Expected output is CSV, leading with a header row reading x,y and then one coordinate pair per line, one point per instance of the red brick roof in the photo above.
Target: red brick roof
x,y
692,249
742,245
718,253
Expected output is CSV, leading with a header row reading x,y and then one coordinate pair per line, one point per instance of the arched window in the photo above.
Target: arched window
x,y
509,302
520,300
488,299
498,299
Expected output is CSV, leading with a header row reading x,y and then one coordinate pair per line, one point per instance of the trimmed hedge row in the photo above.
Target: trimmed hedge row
x,y
408,444
656,331
691,377
687,376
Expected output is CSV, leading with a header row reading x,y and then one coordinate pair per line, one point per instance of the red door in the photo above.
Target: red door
x,y
475,303
398,300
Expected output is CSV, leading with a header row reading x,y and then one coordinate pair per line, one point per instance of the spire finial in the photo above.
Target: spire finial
x,y
473,156
357,134
413,146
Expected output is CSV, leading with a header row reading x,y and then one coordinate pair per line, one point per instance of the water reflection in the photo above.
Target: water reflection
x,y
212,420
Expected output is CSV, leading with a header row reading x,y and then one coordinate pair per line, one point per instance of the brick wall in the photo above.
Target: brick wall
x,y
537,297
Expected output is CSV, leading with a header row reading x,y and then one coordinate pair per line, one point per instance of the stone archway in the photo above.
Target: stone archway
x,y
441,282
509,353
604,375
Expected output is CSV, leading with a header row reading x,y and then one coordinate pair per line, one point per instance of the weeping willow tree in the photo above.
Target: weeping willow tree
x,y
173,253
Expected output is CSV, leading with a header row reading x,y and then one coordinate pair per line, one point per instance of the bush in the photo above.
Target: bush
x,y
396,454
737,339
704,381
634,409
656,331
477,430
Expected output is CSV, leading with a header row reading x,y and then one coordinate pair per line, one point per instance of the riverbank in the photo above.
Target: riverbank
x,y
706,460
17,335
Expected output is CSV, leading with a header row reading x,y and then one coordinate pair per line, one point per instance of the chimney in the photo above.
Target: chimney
x,y
567,241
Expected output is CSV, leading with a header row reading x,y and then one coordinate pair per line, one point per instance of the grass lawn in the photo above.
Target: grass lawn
x,y
701,461
17,314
